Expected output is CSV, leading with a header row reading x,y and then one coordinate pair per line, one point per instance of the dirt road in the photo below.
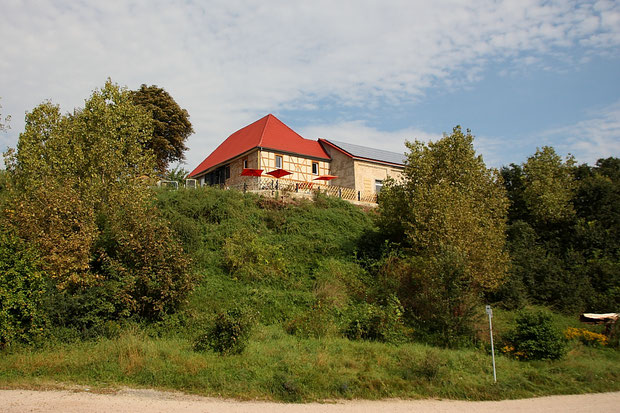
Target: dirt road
x,y
150,401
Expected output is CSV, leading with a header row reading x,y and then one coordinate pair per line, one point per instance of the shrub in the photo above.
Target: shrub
x,y
375,322
437,295
22,288
315,323
587,337
229,334
248,257
535,338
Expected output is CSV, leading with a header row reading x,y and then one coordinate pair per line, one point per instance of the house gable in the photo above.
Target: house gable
x,y
266,133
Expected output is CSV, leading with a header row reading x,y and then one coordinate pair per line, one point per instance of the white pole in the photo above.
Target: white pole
x,y
490,313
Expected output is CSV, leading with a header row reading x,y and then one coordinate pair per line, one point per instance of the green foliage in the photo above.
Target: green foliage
x,y
22,291
548,186
171,125
436,294
138,250
248,257
177,174
230,332
261,239
76,195
564,234
317,322
536,338
448,198
448,215
371,321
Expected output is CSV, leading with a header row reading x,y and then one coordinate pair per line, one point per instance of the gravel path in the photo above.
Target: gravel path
x,y
151,401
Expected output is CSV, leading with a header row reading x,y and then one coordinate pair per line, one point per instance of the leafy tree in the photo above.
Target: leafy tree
x,y
597,231
449,199
177,174
77,196
22,290
171,125
448,215
564,233
548,186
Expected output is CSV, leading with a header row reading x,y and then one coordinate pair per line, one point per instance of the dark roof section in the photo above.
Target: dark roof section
x,y
364,152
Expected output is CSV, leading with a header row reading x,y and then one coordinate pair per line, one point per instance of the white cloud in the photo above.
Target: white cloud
x,y
230,62
594,138
359,133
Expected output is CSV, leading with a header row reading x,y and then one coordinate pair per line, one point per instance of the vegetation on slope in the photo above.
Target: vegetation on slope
x,y
107,282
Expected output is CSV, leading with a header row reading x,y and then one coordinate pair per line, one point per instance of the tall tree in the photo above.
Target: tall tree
x,y
449,199
448,214
77,196
171,125
548,186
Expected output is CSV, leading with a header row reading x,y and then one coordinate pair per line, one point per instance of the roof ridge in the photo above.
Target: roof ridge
x,y
262,134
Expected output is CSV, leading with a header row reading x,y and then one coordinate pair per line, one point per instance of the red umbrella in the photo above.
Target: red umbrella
x,y
325,178
279,173
251,172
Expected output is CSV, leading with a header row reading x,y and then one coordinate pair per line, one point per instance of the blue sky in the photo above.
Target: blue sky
x,y
520,74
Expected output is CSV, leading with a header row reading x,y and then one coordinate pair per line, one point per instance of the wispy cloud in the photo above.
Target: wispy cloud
x,y
231,61
592,138
360,133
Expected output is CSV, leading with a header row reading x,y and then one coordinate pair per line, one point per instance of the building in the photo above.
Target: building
x,y
360,167
268,146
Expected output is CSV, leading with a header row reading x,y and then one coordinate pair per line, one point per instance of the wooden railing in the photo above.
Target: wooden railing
x,y
288,186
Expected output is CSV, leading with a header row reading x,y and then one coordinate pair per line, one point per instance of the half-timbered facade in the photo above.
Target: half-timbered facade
x,y
268,147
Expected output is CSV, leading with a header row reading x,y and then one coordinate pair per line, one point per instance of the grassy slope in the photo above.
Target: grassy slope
x,y
312,241
283,367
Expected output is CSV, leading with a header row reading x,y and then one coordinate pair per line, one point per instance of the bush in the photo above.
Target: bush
x,y
437,294
229,334
22,289
316,323
535,338
375,322
587,337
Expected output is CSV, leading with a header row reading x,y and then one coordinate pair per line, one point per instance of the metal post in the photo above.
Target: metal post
x,y
490,313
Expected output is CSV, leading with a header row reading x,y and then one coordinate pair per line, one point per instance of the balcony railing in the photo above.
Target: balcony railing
x,y
285,186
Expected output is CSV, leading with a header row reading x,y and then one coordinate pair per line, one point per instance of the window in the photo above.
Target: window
x,y
315,168
278,161
245,163
227,172
378,185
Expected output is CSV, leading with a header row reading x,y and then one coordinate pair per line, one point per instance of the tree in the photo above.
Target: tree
x,y
448,199
448,214
78,198
171,125
177,174
548,186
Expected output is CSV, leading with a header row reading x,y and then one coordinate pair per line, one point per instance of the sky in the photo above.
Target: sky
x,y
520,74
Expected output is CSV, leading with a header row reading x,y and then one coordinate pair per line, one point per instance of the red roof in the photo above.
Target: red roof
x,y
267,133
